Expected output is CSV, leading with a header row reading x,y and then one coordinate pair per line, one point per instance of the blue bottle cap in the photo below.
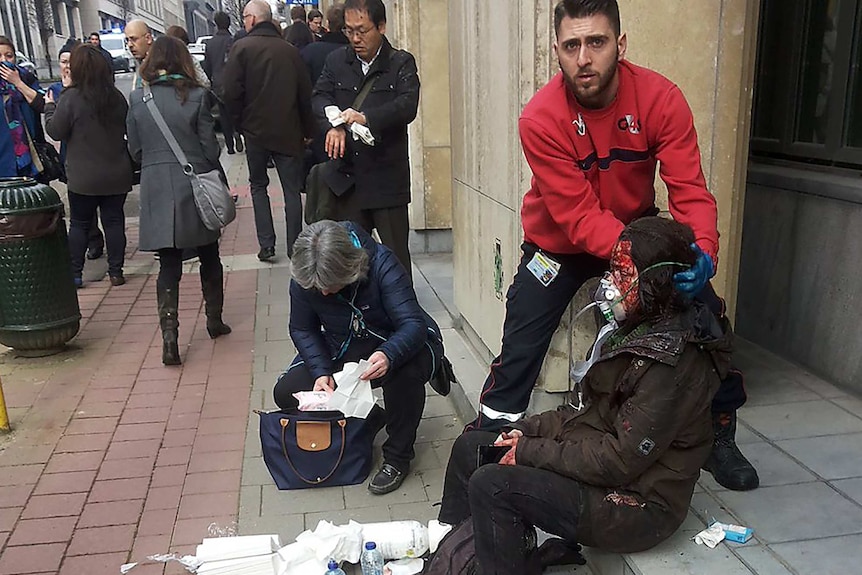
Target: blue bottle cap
x,y
371,545
332,565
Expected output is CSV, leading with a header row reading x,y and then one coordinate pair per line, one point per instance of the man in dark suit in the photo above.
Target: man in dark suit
x,y
215,57
381,172
268,94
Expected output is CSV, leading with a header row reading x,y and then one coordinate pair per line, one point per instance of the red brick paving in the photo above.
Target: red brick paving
x,y
114,456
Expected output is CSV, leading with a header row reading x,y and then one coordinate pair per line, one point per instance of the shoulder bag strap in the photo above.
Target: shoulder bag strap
x,y
360,97
166,132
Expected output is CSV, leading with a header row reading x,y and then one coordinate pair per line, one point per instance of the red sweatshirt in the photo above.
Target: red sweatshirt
x,y
594,170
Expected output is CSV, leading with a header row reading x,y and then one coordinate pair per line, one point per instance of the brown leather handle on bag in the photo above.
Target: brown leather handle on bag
x,y
342,423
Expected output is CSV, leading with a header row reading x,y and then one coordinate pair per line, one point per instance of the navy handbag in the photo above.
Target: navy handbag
x,y
305,449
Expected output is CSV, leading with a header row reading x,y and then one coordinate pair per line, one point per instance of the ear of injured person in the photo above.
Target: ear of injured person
x,y
619,473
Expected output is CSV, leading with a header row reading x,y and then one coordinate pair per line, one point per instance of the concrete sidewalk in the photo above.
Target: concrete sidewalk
x,y
115,457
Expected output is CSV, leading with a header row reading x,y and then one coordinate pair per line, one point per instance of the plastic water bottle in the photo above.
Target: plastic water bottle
x,y
371,560
333,568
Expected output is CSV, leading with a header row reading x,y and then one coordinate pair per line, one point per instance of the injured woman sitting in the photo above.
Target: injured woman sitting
x,y
617,474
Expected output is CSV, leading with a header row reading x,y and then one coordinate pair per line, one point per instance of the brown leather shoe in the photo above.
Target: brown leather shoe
x,y
118,280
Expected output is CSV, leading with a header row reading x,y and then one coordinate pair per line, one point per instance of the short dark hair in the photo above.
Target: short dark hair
x,y
70,45
96,34
585,8
658,240
178,32
315,13
222,20
297,13
375,9
335,17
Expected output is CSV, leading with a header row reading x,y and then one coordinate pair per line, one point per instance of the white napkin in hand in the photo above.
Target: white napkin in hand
x,y
333,114
353,396
358,131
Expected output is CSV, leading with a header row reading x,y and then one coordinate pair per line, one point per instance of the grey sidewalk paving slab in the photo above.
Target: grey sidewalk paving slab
x,y
794,512
763,561
852,488
800,419
833,457
774,467
834,556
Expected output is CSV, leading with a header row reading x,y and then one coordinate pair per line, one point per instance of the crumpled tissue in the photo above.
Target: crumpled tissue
x,y
312,400
711,536
436,532
359,132
353,396
339,542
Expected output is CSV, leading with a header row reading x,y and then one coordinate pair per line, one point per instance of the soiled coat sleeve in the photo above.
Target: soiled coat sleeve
x,y
647,423
401,110
305,331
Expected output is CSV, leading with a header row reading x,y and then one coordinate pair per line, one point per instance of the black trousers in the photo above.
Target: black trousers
x,y
171,265
226,123
504,501
290,174
533,313
403,392
82,211
95,240
392,225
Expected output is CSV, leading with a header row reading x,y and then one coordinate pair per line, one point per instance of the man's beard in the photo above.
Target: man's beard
x,y
592,97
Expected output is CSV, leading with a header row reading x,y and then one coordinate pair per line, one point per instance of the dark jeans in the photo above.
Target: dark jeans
x,y
82,209
533,313
403,392
95,240
504,501
290,173
226,123
171,265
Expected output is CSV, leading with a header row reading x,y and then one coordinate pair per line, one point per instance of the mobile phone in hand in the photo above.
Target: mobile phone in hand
x,y
491,454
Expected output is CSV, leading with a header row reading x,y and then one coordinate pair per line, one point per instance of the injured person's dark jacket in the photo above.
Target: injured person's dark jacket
x,y
638,446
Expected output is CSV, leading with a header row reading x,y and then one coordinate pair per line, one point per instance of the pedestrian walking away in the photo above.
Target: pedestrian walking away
x,y
268,94
593,137
215,57
169,219
380,172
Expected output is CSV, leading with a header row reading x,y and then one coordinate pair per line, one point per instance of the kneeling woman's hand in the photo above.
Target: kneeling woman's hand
x,y
378,368
324,383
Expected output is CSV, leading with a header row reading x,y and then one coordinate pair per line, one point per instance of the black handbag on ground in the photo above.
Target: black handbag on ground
x,y
305,449
327,181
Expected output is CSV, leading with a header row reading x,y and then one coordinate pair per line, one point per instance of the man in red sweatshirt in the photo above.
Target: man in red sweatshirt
x,y
593,137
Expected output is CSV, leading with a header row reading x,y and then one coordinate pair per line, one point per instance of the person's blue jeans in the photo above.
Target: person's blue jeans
x,y
290,171
82,210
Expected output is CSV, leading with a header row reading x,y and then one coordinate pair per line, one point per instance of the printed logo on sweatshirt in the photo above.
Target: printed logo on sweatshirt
x,y
630,123
581,125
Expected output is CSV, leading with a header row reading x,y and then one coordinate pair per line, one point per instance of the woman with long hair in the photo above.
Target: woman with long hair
x,y
20,125
169,218
90,120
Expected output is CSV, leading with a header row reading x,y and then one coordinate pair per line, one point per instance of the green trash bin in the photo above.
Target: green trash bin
x,y
38,301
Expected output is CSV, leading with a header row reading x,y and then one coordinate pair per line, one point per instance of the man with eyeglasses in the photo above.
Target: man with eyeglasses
x,y
380,172
139,38
268,94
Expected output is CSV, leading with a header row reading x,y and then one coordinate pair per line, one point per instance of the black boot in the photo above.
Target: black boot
x,y
169,301
555,551
727,464
213,290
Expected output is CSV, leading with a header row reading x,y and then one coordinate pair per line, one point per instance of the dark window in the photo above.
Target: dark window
x,y
808,84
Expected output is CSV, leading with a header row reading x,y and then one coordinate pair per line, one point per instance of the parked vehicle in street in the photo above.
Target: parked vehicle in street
x,y
114,41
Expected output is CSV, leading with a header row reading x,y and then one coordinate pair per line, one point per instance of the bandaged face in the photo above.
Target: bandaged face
x,y
625,277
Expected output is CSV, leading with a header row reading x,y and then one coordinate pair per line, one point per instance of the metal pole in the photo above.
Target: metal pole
x,y
4,417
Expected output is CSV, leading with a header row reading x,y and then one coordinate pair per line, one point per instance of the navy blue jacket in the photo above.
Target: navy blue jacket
x,y
321,324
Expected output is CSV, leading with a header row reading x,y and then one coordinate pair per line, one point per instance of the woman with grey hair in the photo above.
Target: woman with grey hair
x,y
351,299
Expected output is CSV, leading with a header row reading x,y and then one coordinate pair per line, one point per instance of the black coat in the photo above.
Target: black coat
x,y
217,50
268,93
388,305
314,54
381,172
